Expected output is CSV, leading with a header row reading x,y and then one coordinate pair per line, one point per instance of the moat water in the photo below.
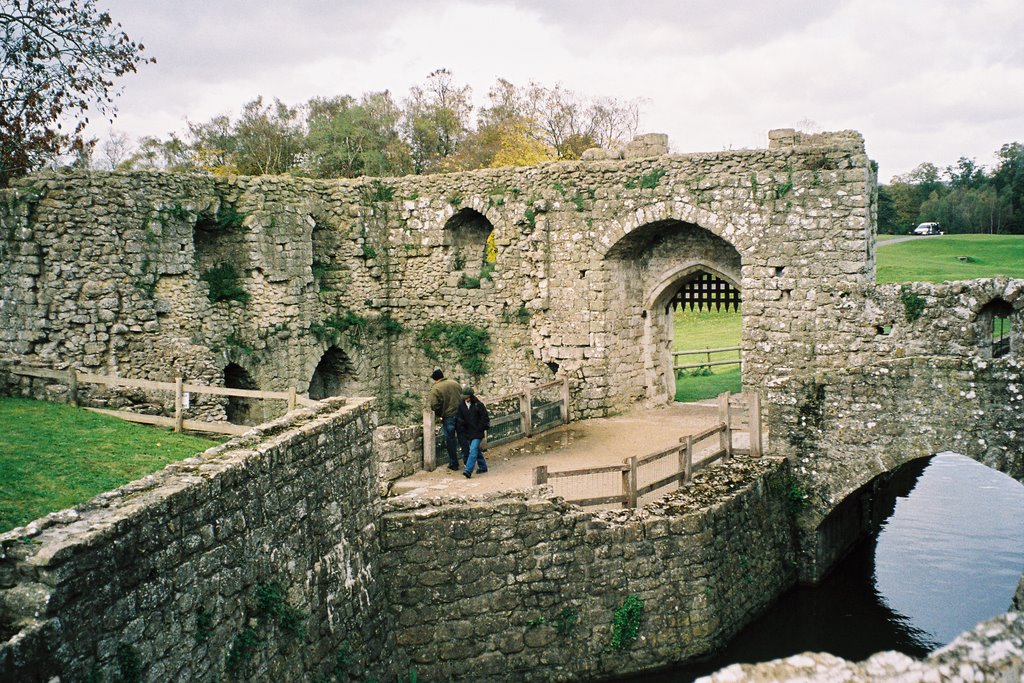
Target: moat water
x,y
949,556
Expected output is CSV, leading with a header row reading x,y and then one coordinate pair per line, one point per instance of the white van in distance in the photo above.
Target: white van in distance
x,y
927,229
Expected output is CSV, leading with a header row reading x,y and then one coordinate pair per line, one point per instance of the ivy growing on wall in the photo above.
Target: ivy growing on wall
x,y
349,325
913,305
626,622
225,284
345,324
471,344
227,218
647,181
269,607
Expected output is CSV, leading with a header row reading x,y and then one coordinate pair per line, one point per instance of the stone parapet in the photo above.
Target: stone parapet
x,y
993,651
518,587
269,539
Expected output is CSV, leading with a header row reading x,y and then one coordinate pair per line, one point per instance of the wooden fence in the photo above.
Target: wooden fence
x,y
178,387
635,472
707,362
528,418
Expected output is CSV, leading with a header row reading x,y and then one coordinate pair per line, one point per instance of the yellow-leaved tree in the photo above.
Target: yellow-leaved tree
x,y
519,144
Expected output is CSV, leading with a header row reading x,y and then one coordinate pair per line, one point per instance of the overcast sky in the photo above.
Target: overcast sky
x,y
923,80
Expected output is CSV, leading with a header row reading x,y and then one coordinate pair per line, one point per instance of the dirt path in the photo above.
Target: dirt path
x,y
897,240
590,443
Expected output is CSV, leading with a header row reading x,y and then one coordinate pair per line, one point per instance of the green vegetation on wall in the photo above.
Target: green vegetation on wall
x,y
350,326
470,344
626,623
225,284
913,304
647,181
226,219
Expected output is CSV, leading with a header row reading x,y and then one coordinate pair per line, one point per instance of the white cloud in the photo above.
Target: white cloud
x,y
923,80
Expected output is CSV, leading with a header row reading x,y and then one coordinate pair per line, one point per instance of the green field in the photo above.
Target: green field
x,y
951,257
706,330
54,456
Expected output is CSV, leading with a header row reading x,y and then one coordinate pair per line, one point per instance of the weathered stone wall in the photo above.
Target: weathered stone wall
x,y
199,569
398,451
854,424
523,588
103,271
903,372
993,651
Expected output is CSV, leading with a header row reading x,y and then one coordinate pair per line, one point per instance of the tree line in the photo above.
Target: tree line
x,y
435,128
964,198
59,60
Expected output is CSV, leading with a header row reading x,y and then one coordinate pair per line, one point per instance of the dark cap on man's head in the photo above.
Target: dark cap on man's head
x,y
437,374
467,391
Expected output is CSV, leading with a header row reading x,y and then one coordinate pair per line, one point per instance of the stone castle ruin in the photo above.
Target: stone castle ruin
x,y
359,287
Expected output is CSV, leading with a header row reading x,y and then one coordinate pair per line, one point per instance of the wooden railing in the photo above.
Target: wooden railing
x,y
178,387
633,469
708,362
524,416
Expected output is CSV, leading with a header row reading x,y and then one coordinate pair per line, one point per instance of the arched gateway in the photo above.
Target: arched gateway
x,y
658,267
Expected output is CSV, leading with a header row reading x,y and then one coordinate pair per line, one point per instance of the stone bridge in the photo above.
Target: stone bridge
x,y
362,286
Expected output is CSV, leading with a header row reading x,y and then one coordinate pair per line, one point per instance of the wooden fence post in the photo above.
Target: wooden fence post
x,y
632,482
724,416
540,475
73,387
291,399
429,446
688,459
526,410
565,400
179,411
754,404
625,487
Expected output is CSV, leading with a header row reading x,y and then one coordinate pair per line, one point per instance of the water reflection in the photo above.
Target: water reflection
x,y
949,556
953,551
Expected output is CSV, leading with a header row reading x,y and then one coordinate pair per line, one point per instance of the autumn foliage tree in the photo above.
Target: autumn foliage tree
x,y
58,61
436,128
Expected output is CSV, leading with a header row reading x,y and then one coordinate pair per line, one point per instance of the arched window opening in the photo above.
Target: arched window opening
x,y
219,252
474,253
239,410
996,328
334,376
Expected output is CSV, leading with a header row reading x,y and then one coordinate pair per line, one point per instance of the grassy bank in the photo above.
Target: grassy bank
x,y
706,330
951,257
54,456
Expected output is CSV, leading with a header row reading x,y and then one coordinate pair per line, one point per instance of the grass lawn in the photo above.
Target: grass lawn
x,y
54,456
885,238
937,259
706,330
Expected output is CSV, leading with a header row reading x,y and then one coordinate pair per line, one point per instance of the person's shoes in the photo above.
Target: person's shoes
x,y
466,474
453,467
480,471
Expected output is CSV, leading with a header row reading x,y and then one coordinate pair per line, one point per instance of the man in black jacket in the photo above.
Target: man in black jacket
x,y
472,422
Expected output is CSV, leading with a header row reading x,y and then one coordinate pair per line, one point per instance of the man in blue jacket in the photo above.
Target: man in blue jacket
x,y
472,422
